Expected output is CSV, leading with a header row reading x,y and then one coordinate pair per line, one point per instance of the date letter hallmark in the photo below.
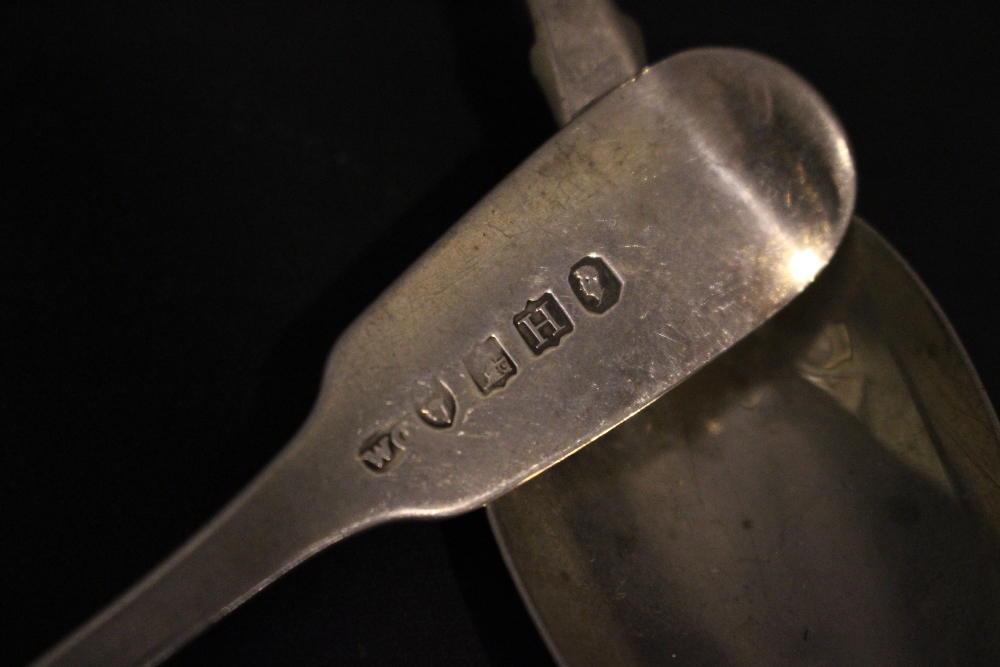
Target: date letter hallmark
x,y
383,450
542,323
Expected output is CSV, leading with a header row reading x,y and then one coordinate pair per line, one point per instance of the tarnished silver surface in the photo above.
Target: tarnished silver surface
x,y
661,226
583,49
825,493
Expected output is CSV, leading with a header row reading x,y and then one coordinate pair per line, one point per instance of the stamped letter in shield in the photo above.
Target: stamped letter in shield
x,y
542,323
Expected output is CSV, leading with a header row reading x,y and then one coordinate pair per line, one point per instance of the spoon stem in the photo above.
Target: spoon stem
x,y
287,514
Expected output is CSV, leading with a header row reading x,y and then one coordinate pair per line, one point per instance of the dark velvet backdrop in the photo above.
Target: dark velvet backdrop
x,y
195,198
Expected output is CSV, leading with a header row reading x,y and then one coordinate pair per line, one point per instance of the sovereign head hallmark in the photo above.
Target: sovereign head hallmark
x,y
489,365
542,323
595,284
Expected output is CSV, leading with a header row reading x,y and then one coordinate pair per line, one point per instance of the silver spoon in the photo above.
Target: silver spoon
x,y
824,493
673,217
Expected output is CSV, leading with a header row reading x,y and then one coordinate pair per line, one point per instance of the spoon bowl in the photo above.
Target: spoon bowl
x,y
825,493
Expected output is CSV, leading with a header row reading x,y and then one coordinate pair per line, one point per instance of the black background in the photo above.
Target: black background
x,y
195,198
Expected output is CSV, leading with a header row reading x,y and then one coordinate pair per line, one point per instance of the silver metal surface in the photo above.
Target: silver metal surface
x,y
583,49
823,494
664,224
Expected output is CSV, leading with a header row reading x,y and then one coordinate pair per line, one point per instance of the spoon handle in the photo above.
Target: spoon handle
x,y
292,510
582,50
657,229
